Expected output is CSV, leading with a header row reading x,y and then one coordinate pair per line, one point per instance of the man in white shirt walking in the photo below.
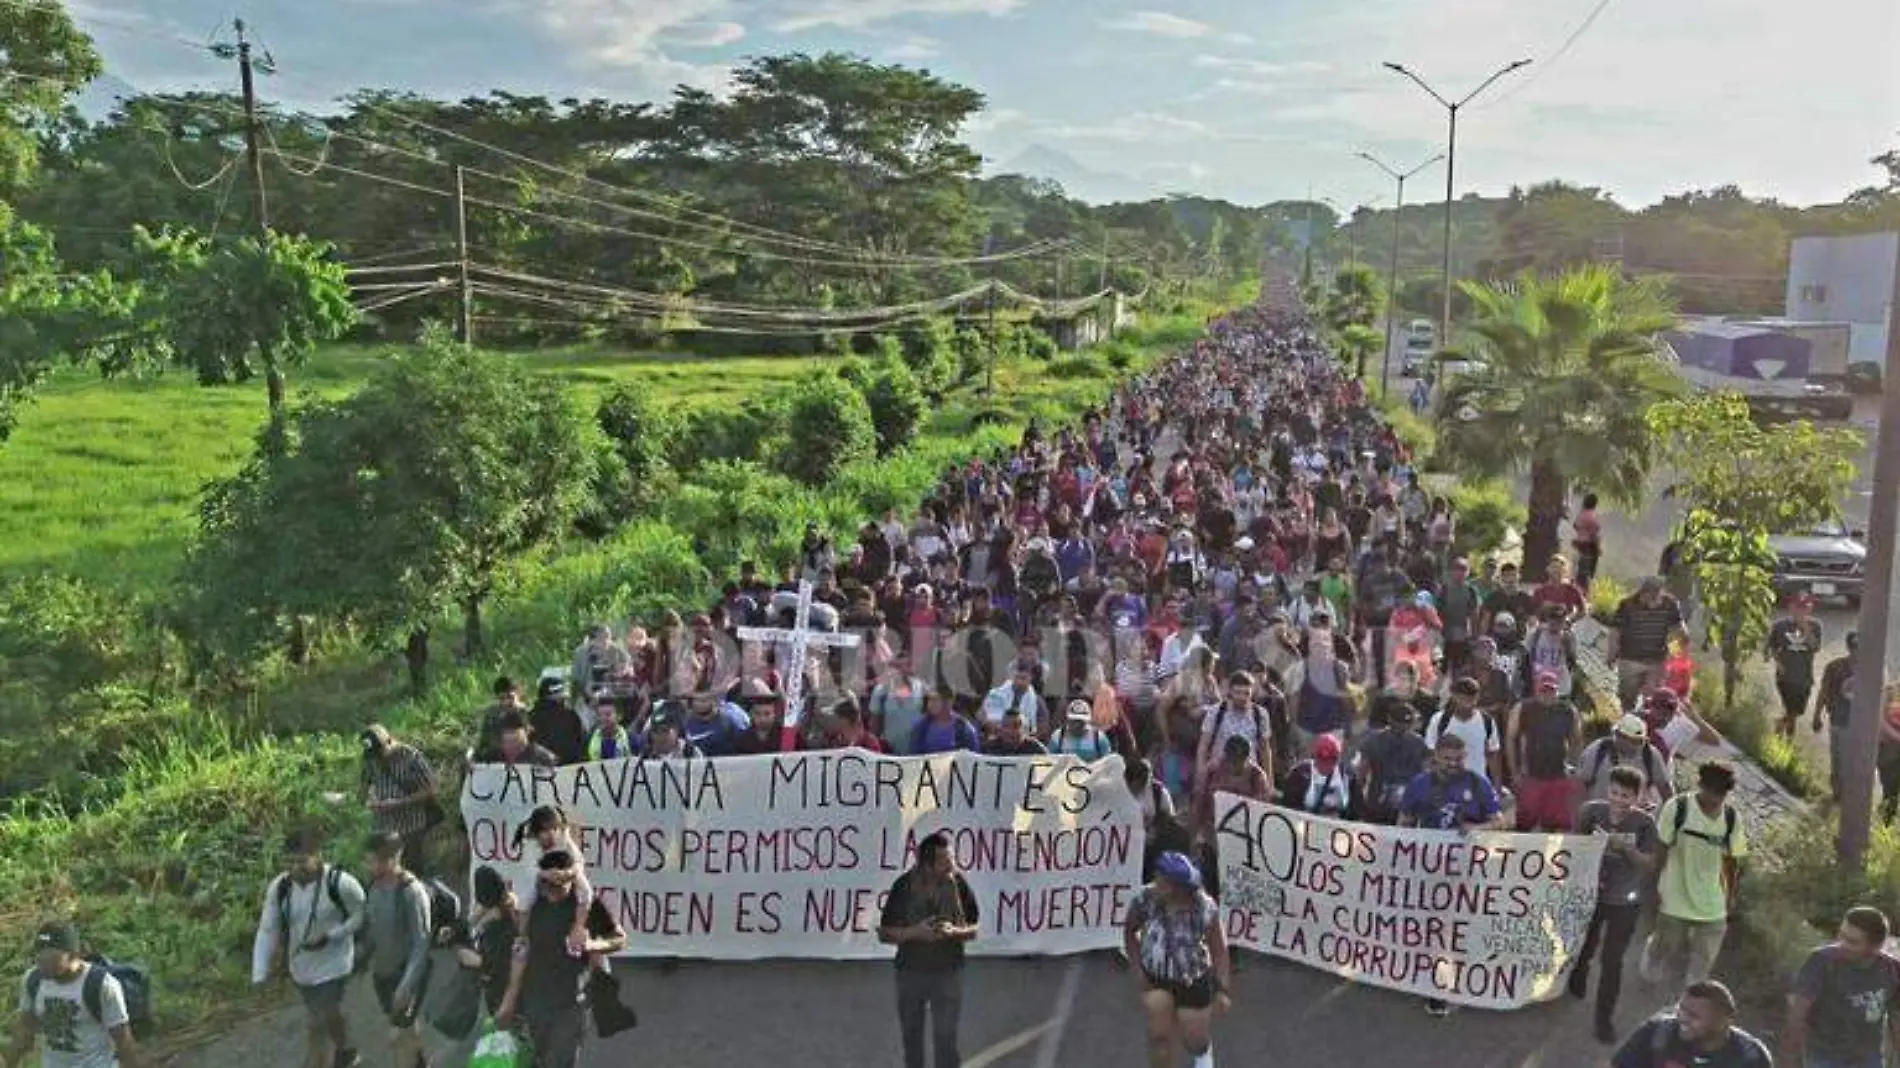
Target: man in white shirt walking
x,y
312,913
75,1009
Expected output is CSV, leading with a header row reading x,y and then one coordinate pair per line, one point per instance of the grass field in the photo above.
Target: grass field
x,y
101,479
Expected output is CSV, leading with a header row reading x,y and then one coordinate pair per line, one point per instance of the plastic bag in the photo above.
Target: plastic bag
x,y
498,1049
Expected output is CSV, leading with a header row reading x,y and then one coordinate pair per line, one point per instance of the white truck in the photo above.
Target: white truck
x,y
1774,367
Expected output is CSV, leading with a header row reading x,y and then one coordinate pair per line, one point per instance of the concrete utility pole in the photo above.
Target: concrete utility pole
x,y
1392,278
1451,164
1870,667
465,328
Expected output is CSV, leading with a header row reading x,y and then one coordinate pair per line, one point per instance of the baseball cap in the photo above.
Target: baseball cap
x,y
1326,747
58,936
1178,869
1632,726
1080,712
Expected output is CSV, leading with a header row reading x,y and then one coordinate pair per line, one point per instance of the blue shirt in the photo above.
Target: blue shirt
x,y
1437,805
715,736
946,736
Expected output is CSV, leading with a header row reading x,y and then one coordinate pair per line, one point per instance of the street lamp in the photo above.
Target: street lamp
x,y
1451,163
1392,282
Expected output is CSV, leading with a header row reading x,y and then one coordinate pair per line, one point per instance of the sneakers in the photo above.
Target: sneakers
x,y
1437,1010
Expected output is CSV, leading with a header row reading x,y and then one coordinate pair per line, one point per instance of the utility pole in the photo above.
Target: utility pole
x,y
989,365
1868,701
253,152
466,320
1102,282
1392,279
1451,163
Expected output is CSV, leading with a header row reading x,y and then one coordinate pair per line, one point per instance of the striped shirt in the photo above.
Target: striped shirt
x,y
402,772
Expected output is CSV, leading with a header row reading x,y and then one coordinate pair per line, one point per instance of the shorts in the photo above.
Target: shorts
x,y
1547,803
323,999
386,998
1198,994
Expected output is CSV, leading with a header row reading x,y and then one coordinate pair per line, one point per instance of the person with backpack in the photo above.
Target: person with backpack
x,y
1481,747
1701,1032
1237,715
1627,745
1543,732
312,913
1704,842
398,934
79,1012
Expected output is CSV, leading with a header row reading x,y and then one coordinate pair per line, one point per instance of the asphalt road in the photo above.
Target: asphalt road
x,y
1027,1013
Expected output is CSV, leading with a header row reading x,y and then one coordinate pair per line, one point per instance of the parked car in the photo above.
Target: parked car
x,y
1829,561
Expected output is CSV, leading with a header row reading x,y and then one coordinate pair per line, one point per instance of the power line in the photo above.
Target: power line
x,y
1562,50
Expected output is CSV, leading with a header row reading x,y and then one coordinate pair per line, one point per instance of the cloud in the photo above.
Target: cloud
x,y
705,34
1259,68
1161,24
915,47
993,119
857,14
632,35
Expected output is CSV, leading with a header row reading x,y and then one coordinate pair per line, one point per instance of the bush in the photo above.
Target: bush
x,y
897,404
1485,511
857,371
930,350
972,349
1119,356
632,469
756,429
1077,367
829,426
1038,345
1605,594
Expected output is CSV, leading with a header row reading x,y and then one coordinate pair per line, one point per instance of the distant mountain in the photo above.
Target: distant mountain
x,y
103,96
1076,179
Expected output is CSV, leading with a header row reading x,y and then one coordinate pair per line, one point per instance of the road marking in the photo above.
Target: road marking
x,y
1059,1021
987,1057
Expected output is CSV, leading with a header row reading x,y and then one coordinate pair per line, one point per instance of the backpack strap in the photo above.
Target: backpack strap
x,y
92,990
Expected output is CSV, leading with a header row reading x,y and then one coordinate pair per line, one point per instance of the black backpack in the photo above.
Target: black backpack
x,y
445,908
134,982
1442,722
1681,820
332,888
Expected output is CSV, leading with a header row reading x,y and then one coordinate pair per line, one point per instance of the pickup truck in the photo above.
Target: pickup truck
x,y
1829,561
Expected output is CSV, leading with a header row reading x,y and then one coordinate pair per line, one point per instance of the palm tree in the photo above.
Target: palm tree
x,y
1565,372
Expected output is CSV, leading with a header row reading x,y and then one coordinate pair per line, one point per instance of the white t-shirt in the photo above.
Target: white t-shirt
x,y
69,1036
1479,738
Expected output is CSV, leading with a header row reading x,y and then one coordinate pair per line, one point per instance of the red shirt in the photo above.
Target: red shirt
x,y
1568,594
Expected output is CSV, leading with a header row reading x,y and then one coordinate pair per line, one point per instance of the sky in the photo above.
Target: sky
x,y
1250,100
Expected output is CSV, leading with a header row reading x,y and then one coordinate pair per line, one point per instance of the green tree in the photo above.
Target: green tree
x,y
409,499
231,308
829,427
1356,298
1356,343
48,59
1567,372
897,403
49,316
1742,483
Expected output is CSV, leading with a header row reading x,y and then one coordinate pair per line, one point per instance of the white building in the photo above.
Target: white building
x,y
1846,280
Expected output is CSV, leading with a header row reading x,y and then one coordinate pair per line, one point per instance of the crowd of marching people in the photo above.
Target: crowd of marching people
x,y
1232,575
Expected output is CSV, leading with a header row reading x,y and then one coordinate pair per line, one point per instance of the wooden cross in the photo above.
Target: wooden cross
x,y
797,641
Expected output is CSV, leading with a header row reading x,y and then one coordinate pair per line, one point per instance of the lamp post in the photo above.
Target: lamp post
x,y
1451,163
1392,279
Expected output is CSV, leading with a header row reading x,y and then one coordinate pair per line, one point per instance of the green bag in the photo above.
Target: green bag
x,y
500,1049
